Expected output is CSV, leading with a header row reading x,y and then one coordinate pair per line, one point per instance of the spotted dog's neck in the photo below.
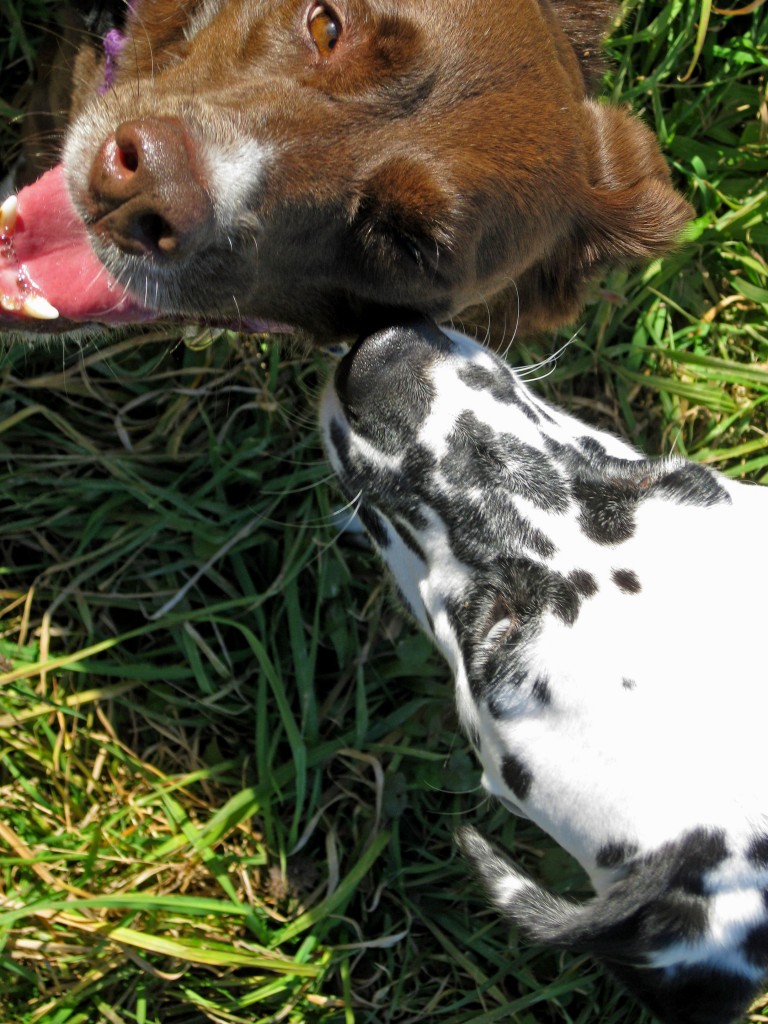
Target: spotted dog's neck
x,y
417,418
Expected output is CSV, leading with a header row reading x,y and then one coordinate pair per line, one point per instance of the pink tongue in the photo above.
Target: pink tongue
x,y
48,253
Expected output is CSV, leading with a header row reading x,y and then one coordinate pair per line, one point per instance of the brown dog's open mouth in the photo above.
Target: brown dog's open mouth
x,y
51,279
48,270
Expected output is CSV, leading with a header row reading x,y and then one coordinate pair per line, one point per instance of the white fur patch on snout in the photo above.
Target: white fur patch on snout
x,y
232,165
234,170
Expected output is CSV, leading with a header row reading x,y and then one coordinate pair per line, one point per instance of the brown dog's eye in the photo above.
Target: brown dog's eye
x,y
324,28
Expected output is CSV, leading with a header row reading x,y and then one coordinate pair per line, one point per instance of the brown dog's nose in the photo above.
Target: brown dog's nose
x,y
146,193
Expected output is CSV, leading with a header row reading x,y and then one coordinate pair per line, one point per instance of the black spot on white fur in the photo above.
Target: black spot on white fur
x,y
609,491
626,580
613,855
374,524
500,388
584,582
607,508
522,592
541,691
756,946
517,776
692,484
480,457
758,851
473,530
592,447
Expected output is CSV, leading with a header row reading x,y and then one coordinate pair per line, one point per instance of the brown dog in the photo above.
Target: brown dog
x,y
330,165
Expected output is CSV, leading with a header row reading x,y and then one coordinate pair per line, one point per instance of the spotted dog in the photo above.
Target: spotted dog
x,y
603,616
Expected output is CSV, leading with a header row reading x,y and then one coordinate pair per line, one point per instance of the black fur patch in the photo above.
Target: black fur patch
x,y
480,533
691,484
518,589
500,387
697,853
592,447
584,582
392,492
675,918
613,855
541,691
607,509
374,524
703,995
478,456
529,589
609,490
756,946
626,580
430,621
405,535
517,776
758,851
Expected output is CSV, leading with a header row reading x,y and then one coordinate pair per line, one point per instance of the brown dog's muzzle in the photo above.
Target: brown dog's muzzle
x,y
146,193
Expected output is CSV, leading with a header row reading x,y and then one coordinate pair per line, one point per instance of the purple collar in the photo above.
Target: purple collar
x,y
114,41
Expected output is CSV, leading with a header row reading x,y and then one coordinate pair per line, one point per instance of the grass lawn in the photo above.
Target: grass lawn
x,y
229,766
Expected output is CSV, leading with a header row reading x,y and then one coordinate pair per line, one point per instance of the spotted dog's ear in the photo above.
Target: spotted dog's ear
x,y
628,213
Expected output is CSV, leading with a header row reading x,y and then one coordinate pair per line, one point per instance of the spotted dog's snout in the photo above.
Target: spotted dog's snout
x,y
383,383
561,574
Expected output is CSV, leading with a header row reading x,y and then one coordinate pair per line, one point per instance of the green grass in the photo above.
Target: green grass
x,y
229,766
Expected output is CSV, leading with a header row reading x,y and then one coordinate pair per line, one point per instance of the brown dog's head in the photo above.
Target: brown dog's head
x,y
329,165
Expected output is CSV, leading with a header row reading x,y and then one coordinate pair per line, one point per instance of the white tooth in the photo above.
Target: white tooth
x,y
8,212
9,303
39,308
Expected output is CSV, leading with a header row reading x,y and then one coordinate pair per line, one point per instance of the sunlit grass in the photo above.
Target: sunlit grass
x,y
229,766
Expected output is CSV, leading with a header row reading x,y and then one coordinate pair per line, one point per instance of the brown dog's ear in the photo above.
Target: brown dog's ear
x,y
632,212
627,213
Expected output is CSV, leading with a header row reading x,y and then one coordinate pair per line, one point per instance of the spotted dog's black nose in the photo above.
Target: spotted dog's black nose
x,y
383,382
